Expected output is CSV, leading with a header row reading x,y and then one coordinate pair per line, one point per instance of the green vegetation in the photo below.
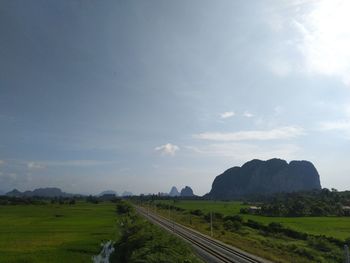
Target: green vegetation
x,y
331,226
141,241
55,232
72,230
312,203
281,239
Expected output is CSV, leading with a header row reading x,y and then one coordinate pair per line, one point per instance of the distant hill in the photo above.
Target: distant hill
x,y
108,192
186,192
174,192
127,193
14,193
40,192
265,177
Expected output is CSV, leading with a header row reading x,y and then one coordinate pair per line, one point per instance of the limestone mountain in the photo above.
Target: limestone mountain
x,y
186,191
174,191
265,177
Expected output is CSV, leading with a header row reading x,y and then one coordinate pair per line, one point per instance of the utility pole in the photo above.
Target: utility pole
x,y
347,256
211,223
173,222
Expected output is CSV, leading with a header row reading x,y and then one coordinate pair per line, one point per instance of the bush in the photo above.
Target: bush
x,y
230,225
320,244
237,218
197,212
255,225
244,211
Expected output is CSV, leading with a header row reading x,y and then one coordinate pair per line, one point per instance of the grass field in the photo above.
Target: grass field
x,y
338,227
55,233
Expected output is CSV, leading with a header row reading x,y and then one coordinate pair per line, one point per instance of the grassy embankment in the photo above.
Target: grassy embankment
x,y
55,233
274,245
141,241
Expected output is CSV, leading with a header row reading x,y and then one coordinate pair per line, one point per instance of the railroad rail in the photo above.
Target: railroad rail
x,y
209,249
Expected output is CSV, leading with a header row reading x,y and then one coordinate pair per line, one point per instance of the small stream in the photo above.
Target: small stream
x,y
107,250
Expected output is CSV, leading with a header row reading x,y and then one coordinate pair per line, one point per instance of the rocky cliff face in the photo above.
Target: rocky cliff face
x,y
186,192
265,177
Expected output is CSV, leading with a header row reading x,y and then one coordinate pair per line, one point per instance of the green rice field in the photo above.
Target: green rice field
x,y
55,233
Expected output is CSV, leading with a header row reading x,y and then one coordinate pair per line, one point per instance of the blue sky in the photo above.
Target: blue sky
x,y
144,95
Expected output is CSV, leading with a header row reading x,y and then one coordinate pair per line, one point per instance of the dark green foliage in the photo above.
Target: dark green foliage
x,y
244,210
314,203
197,212
231,225
237,218
8,200
255,225
171,207
124,208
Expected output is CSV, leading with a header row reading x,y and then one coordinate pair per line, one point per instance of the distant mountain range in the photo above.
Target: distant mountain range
x,y
185,192
40,192
127,193
265,177
108,192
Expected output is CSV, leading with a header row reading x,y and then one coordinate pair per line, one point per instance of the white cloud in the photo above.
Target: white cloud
x,y
244,152
248,114
167,149
287,132
342,125
227,114
325,38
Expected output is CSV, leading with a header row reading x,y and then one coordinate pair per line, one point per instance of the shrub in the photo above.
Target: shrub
x,y
237,218
230,225
197,212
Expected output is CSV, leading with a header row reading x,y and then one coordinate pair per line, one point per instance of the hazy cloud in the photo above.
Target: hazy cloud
x,y
227,114
335,125
248,114
287,132
2,162
167,149
35,166
244,152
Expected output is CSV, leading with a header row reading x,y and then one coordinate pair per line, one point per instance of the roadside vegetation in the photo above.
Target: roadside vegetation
x,y
270,237
141,241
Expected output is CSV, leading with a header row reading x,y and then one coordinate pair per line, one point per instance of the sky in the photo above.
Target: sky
x,y
144,95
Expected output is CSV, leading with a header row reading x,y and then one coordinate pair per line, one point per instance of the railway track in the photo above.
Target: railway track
x,y
209,249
